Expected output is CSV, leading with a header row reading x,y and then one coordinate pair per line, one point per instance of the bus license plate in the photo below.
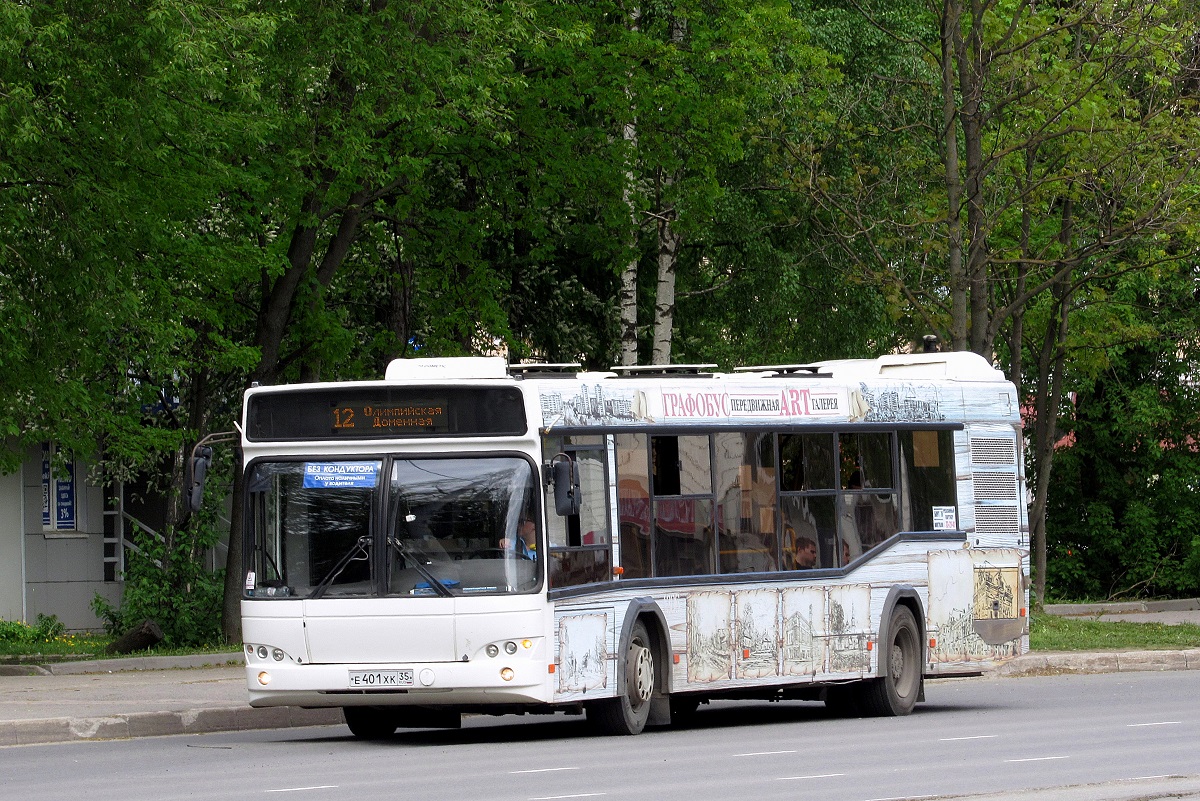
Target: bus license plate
x,y
381,679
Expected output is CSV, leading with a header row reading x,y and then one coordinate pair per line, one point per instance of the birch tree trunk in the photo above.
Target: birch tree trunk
x,y
627,298
664,298
668,244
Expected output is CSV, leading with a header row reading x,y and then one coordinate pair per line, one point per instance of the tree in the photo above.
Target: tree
x,y
1123,518
1061,144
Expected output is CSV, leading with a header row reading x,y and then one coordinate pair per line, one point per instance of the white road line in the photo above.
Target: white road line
x,y
1146,778
1160,723
556,797
972,737
1037,759
764,753
814,776
299,789
540,770
901,798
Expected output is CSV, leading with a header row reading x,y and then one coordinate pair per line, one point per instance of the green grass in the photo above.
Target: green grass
x,y
1053,633
91,646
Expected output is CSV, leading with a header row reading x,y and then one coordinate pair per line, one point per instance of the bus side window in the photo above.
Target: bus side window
x,y
578,543
927,470
684,542
746,503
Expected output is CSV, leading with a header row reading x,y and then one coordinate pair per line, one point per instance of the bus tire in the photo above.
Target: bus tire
x,y
628,712
895,693
370,722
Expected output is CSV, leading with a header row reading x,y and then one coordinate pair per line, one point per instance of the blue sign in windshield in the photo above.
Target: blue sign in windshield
x,y
337,475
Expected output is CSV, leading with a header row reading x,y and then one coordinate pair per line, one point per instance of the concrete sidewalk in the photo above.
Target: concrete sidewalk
x,y
141,697
121,698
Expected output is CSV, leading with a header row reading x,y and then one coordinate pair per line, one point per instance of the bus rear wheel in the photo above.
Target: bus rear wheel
x,y
896,692
629,711
369,722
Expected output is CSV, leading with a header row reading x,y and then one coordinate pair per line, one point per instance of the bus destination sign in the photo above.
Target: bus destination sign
x,y
384,412
417,416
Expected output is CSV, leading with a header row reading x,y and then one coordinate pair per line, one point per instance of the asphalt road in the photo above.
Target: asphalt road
x,y
1083,738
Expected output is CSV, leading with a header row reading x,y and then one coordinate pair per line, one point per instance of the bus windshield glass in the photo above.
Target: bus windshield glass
x,y
434,527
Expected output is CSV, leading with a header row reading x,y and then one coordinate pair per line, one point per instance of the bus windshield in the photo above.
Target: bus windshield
x,y
434,527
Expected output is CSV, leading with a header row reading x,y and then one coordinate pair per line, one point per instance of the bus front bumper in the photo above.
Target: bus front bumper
x,y
482,683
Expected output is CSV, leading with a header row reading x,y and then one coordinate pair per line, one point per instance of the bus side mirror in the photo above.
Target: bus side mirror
x,y
197,470
566,485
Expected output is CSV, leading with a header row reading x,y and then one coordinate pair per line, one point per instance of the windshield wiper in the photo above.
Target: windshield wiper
x,y
412,556
359,552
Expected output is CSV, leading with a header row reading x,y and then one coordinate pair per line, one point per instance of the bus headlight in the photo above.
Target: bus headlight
x,y
510,648
505,673
264,678
492,650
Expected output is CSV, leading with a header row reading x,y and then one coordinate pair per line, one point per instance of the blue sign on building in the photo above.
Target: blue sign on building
x,y
58,495
47,518
64,500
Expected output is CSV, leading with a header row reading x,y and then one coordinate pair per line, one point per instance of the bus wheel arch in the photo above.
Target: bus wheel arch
x,y
643,675
901,662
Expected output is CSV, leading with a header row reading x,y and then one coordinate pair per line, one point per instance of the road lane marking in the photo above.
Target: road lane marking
x,y
764,753
1037,759
1146,778
557,797
814,776
901,798
1160,723
540,770
972,737
299,789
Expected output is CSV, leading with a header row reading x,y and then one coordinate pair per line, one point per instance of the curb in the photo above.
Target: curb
x,y
141,663
121,664
158,724
1059,663
1122,607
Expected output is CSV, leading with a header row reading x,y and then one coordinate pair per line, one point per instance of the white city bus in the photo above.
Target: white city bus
x,y
466,536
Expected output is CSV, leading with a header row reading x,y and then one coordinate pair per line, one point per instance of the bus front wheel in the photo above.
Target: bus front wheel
x,y
895,692
629,711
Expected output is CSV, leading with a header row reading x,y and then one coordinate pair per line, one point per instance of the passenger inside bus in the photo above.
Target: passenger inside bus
x,y
804,557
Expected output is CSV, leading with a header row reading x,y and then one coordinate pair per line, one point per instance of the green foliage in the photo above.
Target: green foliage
x,y
48,628
196,195
1125,511
172,587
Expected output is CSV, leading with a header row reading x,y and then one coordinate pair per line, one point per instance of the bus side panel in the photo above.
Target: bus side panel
x,y
976,608
585,642
724,638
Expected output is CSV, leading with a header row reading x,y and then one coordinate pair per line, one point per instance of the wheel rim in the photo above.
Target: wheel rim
x,y
641,677
902,663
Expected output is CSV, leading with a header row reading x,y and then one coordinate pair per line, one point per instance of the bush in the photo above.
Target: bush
x,y
47,629
171,586
1124,513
